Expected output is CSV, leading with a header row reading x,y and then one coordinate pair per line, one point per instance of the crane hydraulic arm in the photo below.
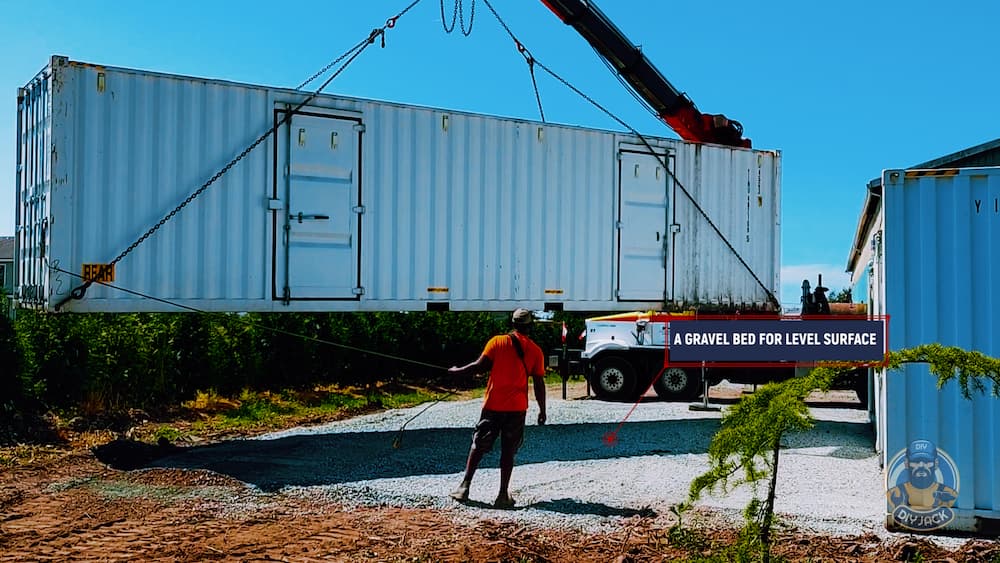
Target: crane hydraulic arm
x,y
673,107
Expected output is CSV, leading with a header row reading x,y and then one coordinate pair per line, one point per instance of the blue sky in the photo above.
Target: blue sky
x,y
843,89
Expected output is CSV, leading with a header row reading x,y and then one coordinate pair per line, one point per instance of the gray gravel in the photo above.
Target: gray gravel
x,y
567,475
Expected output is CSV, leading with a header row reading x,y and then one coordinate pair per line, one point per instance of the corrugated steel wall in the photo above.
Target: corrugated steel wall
x,y
478,211
942,259
740,192
488,208
141,144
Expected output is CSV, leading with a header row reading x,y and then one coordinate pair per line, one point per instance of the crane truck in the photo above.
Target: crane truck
x,y
624,353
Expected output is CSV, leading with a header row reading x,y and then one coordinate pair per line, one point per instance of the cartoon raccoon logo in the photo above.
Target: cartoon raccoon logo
x,y
922,486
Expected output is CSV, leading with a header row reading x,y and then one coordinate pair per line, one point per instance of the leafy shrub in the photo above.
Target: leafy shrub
x,y
152,361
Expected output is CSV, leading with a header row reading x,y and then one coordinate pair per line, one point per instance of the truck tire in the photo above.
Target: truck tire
x,y
614,378
676,384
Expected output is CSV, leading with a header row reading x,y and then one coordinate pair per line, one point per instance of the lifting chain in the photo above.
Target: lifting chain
x,y
458,15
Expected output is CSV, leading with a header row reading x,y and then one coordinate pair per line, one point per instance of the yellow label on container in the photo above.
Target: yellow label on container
x,y
99,272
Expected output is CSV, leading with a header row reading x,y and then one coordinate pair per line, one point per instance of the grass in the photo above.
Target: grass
x,y
25,454
266,410
169,433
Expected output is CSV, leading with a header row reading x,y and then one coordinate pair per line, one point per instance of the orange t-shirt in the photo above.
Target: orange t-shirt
x,y
507,387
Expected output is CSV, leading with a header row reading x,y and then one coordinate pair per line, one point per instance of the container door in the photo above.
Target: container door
x,y
643,229
321,207
32,187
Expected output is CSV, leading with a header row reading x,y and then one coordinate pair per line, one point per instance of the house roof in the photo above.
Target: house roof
x,y
7,249
985,154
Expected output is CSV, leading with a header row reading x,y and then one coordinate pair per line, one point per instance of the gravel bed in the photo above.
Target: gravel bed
x,y
568,473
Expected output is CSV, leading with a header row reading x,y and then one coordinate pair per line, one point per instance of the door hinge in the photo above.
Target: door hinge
x,y
359,209
360,127
675,228
286,295
275,204
619,225
358,291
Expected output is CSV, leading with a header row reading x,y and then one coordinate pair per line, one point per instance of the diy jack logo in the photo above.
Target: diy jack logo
x,y
922,486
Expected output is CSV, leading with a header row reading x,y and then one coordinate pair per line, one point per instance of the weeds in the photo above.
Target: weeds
x,y
169,433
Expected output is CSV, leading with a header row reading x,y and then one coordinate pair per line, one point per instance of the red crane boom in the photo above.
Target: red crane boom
x,y
672,106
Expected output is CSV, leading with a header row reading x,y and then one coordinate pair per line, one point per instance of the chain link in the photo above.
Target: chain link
x,y
454,16
534,84
461,18
458,15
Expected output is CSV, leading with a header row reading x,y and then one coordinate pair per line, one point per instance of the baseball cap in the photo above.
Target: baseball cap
x,y
921,450
522,317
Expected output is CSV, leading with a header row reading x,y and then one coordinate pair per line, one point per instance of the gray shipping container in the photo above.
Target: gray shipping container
x,y
361,205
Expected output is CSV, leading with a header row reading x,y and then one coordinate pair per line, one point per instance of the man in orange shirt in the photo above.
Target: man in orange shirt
x,y
511,359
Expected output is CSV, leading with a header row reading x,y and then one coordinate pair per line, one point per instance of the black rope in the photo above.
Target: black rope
x,y
350,55
645,142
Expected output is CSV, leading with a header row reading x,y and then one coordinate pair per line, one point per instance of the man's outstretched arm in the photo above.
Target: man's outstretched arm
x,y
481,365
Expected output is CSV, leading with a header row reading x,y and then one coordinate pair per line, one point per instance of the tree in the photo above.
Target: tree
x,y
746,449
842,296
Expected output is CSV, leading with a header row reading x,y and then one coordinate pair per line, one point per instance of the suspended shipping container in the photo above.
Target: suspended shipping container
x,y
361,205
935,251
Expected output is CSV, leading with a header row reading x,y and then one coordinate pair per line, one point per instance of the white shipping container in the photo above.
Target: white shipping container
x,y
360,205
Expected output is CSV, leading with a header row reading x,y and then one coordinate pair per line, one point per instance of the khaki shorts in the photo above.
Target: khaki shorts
x,y
508,426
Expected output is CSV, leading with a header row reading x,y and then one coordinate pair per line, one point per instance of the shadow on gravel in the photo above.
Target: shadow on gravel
x,y
130,454
571,506
324,459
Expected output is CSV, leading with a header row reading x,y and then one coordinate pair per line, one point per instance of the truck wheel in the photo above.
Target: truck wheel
x,y
676,384
614,378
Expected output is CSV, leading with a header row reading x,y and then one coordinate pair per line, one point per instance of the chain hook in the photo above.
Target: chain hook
x,y
525,53
80,291
391,22
377,32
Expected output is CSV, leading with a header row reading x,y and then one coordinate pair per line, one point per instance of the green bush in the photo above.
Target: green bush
x,y
11,360
102,361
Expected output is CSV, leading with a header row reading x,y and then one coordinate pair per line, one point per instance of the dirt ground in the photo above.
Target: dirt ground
x,y
66,505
